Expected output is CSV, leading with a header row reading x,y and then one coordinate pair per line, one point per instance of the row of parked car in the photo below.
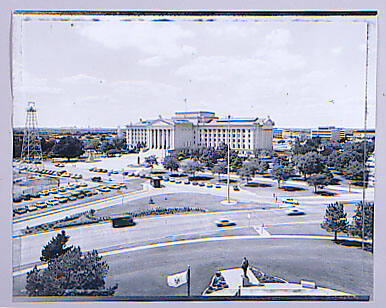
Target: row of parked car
x,y
43,193
59,198
62,173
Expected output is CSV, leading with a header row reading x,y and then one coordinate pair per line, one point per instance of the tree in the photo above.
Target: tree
x,y
355,172
335,219
310,163
220,168
171,163
68,147
71,273
281,173
55,247
368,221
47,146
192,166
151,160
112,152
107,145
246,173
92,144
318,180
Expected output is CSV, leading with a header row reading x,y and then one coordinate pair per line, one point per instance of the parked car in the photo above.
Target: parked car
x,y
194,183
209,185
236,188
41,204
218,186
201,184
96,179
186,182
31,208
225,223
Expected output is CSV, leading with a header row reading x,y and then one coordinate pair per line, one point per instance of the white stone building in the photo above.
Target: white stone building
x,y
201,129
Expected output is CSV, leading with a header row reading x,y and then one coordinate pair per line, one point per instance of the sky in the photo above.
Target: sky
x,y
110,73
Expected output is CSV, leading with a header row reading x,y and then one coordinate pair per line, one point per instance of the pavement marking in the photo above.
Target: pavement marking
x,y
262,231
199,240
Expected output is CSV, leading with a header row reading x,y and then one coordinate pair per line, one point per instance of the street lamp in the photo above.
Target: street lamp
x,y
228,201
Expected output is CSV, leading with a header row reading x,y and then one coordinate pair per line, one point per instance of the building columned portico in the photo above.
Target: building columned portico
x,y
201,129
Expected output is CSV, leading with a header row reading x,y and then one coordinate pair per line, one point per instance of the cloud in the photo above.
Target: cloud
x,y
153,61
337,50
30,84
148,37
82,79
278,37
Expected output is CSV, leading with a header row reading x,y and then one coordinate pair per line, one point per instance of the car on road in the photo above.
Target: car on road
x,y
236,188
103,189
290,201
295,212
59,165
225,223
122,221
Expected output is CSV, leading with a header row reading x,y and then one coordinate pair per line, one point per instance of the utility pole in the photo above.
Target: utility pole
x,y
228,179
365,141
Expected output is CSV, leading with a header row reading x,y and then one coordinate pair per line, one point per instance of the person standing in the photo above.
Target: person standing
x,y
244,266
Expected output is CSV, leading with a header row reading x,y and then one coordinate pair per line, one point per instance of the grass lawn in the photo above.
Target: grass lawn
x,y
203,201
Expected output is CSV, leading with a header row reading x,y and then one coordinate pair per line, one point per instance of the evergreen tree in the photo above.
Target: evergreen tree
x,y
368,220
335,219
72,271
55,247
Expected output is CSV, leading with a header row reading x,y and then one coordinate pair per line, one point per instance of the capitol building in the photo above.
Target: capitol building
x,y
201,129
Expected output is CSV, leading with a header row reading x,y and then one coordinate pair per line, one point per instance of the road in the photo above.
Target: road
x,y
143,272
27,249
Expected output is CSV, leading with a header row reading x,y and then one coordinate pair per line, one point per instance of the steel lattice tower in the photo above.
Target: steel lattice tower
x,y
31,149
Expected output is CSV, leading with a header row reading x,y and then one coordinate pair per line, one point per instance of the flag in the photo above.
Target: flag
x,y
178,279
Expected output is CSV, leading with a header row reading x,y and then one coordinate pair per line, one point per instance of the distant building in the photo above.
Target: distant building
x,y
328,133
361,134
201,129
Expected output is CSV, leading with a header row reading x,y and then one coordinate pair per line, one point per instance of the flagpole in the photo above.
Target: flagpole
x,y
188,280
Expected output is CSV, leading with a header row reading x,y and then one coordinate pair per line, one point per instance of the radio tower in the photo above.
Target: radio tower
x,y
31,150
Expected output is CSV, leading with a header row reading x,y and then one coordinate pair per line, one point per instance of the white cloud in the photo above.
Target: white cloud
x,y
82,79
153,61
278,37
337,50
149,37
